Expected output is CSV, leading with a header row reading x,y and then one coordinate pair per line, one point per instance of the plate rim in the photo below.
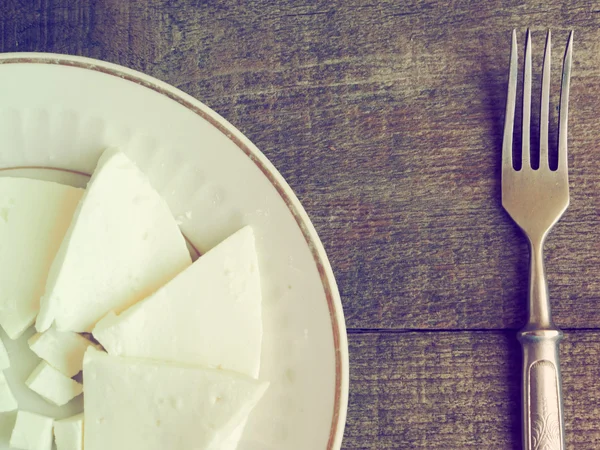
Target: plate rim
x,y
301,218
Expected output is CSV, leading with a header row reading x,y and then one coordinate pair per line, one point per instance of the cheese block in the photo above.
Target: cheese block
x,y
68,433
138,404
7,399
52,385
4,359
232,441
32,432
63,350
122,245
34,217
210,314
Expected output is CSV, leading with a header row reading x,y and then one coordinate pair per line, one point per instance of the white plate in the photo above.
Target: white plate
x,y
61,111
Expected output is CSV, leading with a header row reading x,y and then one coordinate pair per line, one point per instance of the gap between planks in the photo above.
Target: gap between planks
x,y
451,330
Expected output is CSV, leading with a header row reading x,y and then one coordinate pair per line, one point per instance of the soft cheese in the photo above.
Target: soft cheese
x,y
138,404
34,217
210,314
32,432
52,385
68,433
63,350
4,359
7,399
122,245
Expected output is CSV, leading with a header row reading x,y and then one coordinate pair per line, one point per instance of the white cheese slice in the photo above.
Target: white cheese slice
x,y
4,359
68,433
210,314
138,404
232,441
52,385
32,432
63,350
122,245
7,399
34,217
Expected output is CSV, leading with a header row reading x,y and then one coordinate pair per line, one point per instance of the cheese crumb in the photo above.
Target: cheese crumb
x,y
32,432
68,433
7,399
63,350
52,385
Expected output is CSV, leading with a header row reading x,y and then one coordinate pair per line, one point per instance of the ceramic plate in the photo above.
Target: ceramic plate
x,y
58,113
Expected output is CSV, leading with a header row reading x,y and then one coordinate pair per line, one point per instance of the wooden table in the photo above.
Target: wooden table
x,y
386,119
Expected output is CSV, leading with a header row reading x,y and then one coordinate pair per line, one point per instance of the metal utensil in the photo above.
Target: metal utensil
x,y
536,199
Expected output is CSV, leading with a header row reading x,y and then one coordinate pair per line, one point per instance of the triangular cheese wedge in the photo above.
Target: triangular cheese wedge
x,y
123,244
210,314
138,404
34,217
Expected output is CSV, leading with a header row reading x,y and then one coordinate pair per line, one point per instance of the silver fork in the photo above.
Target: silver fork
x,y
536,199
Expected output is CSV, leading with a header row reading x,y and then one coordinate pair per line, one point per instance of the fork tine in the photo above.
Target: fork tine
x,y
564,106
545,104
525,132
509,116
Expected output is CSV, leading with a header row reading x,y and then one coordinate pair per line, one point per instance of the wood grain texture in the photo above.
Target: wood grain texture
x,y
386,119
449,390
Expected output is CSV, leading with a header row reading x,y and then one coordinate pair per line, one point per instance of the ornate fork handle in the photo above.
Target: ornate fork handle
x,y
542,399
541,391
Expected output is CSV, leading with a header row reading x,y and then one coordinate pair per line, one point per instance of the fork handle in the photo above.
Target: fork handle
x,y
543,426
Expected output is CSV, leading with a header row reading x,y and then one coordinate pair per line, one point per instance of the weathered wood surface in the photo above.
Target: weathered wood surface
x,y
459,390
385,117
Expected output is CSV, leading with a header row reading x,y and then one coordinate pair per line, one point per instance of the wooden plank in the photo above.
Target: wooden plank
x,y
441,390
386,119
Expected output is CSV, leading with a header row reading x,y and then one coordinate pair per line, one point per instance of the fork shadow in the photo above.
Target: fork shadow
x,y
494,89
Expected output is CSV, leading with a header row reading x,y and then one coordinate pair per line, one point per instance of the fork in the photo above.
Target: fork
x,y
536,199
